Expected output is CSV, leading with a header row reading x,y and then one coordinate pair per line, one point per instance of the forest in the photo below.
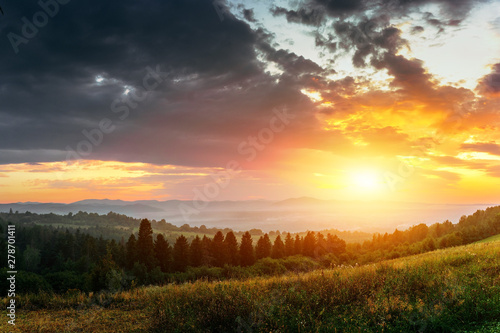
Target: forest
x,y
62,259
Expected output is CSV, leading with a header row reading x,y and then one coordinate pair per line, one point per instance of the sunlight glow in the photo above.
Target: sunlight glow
x,y
314,96
366,180
477,156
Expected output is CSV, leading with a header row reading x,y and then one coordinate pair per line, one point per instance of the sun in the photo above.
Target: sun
x,y
367,180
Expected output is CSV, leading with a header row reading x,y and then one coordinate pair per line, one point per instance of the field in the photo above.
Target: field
x,y
452,290
490,239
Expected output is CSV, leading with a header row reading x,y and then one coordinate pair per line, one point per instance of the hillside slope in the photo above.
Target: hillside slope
x,y
490,239
441,291
456,289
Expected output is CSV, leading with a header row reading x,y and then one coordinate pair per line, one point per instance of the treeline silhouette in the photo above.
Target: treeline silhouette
x,y
221,249
58,260
422,238
117,226
107,223
53,259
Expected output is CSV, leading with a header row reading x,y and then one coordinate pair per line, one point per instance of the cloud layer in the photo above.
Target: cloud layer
x,y
187,83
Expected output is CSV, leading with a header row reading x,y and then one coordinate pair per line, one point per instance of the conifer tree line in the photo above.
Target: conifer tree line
x,y
59,259
221,250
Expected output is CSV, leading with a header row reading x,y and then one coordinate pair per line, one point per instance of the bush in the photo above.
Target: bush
x,y
26,282
329,260
301,264
106,276
268,266
209,273
62,281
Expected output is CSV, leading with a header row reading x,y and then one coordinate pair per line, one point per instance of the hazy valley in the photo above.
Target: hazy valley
x,y
292,215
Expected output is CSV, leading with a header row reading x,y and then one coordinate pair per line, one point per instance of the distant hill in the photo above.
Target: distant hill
x,y
92,206
301,202
294,214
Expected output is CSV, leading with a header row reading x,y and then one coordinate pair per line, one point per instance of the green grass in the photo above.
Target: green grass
x,y
489,239
451,290
443,291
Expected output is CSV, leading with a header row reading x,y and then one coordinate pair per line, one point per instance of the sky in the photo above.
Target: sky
x,y
393,100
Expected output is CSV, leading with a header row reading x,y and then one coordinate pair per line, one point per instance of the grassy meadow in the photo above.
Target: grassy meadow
x,y
490,239
450,290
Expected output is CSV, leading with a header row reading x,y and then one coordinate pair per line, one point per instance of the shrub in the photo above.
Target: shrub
x,y
268,266
26,282
62,281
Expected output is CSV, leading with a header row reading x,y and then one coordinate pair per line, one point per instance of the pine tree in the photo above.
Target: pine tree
x,y
321,245
207,257
145,245
131,252
163,253
309,244
231,248
297,245
264,246
218,250
335,244
246,250
105,275
117,252
196,252
181,253
289,245
31,259
278,250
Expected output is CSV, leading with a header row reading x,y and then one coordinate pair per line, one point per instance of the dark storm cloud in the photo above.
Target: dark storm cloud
x,y
327,42
454,10
390,39
339,7
120,39
415,84
490,84
31,156
441,24
214,91
306,16
406,73
367,38
364,28
249,15
417,29
376,43
213,87
292,63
